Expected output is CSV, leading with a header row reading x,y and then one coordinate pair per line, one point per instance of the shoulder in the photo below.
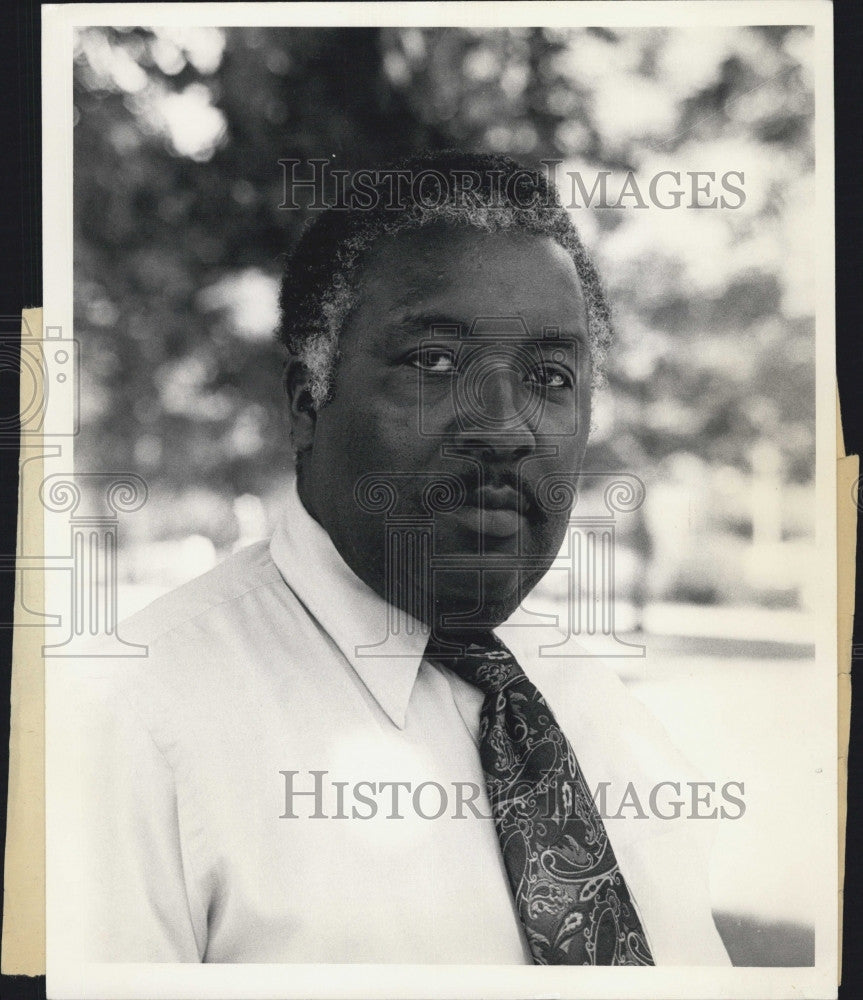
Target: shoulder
x,y
215,591
193,654
199,634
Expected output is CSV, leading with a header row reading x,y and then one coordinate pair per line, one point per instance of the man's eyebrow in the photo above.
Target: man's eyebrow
x,y
442,324
427,323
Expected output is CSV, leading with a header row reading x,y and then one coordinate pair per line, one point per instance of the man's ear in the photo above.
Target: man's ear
x,y
302,407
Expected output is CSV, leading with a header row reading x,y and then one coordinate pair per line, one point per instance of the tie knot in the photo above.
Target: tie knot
x,y
480,659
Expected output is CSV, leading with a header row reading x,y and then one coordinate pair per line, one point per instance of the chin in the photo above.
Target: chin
x,y
461,603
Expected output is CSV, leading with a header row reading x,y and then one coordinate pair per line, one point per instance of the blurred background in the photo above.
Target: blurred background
x,y
178,249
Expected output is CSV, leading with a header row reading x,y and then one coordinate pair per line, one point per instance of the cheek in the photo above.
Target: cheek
x,y
370,433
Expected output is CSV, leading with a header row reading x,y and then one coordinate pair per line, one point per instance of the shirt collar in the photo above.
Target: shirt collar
x,y
357,619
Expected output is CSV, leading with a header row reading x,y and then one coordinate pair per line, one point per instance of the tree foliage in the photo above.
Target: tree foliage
x,y
180,237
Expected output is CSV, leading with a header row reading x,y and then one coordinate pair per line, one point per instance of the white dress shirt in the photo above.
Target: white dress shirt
x,y
180,842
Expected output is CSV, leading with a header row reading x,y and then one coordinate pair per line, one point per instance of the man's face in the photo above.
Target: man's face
x,y
466,364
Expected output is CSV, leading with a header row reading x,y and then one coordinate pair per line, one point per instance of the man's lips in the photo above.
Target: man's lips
x,y
496,511
494,498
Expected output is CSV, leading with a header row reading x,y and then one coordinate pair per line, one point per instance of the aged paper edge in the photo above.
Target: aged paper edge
x,y
847,471
23,946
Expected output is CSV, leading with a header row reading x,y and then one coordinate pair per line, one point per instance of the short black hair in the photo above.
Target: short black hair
x,y
483,191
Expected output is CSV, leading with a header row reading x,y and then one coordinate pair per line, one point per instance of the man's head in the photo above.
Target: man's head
x,y
443,345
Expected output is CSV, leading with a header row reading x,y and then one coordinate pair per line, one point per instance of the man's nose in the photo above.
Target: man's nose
x,y
498,411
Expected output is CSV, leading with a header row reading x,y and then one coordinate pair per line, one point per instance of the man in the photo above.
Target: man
x,y
343,746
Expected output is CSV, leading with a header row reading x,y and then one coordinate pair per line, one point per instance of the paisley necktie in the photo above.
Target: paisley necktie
x,y
573,902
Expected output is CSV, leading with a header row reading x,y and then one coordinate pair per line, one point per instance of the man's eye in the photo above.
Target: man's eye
x,y
436,360
551,378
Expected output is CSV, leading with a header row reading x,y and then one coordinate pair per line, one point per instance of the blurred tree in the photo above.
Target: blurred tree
x,y
174,384
180,237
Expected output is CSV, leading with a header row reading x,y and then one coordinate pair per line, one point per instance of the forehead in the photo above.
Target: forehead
x,y
462,274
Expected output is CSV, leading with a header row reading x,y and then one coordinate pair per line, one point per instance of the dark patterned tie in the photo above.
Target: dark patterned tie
x,y
570,893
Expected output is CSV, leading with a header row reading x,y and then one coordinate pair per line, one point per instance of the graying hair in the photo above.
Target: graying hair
x,y
320,284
